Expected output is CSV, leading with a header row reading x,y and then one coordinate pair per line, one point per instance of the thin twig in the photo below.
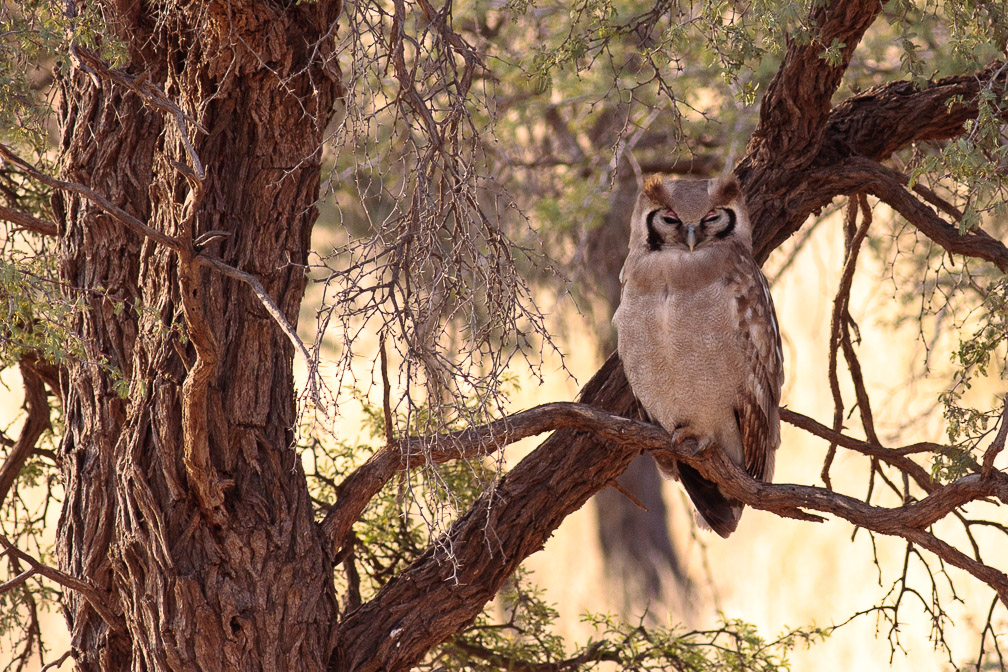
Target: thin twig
x,y
386,392
108,206
615,485
58,662
252,281
86,591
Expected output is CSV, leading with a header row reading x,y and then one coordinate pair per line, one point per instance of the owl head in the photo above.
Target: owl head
x,y
689,215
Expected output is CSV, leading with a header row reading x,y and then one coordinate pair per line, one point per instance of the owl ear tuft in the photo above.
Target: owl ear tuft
x,y
654,189
724,189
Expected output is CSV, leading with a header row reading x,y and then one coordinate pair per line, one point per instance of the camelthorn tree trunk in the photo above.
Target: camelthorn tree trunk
x,y
245,583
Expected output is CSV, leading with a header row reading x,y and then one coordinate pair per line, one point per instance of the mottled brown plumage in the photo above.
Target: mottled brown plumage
x,y
697,332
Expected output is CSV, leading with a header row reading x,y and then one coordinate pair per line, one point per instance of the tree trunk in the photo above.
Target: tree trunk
x,y
214,564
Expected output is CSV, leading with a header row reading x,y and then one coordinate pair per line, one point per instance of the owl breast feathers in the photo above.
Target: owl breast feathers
x,y
698,335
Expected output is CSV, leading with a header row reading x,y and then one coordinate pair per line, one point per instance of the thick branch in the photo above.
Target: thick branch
x,y
439,593
909,522
424,605
797,101
886,118
357,490
871,125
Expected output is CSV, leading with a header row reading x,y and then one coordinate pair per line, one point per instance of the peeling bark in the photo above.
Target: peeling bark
x,y
210,557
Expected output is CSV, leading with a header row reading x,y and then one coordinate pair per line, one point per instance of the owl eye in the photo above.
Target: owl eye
x,y
671,218
710,216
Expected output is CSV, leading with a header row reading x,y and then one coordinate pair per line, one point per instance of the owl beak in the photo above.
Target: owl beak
x,y
691,237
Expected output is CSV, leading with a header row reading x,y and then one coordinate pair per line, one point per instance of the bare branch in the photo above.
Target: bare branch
x,y
908,521
861,174
58,662
840,325
152,95
359,487
28,222
201,259
108,206
67,581
17,580
37,422
889,185
997,445
520,513
894,456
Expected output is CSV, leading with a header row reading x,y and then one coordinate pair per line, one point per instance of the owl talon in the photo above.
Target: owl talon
x,y
682,436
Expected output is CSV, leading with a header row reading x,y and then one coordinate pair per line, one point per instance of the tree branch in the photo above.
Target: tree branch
x,y
274,311
819,186
889,186
887,118
37,406
871,125
992,451
440,594
801,156
364,483
28,222
85,589
894,456
108,206
797,101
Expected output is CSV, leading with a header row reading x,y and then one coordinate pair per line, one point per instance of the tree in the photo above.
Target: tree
x,y
192,141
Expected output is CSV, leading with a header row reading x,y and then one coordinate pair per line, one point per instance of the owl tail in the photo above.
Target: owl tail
x,y
714,510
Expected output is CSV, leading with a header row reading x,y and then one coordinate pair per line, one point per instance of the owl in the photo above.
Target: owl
x,y
698,335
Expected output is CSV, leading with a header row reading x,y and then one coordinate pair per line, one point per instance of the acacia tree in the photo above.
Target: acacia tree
x,y
183,197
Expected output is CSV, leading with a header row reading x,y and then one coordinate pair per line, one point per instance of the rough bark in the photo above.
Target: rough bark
x,y
792,122
243,581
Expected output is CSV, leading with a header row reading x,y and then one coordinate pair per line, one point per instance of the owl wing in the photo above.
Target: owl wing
x,y
757,407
